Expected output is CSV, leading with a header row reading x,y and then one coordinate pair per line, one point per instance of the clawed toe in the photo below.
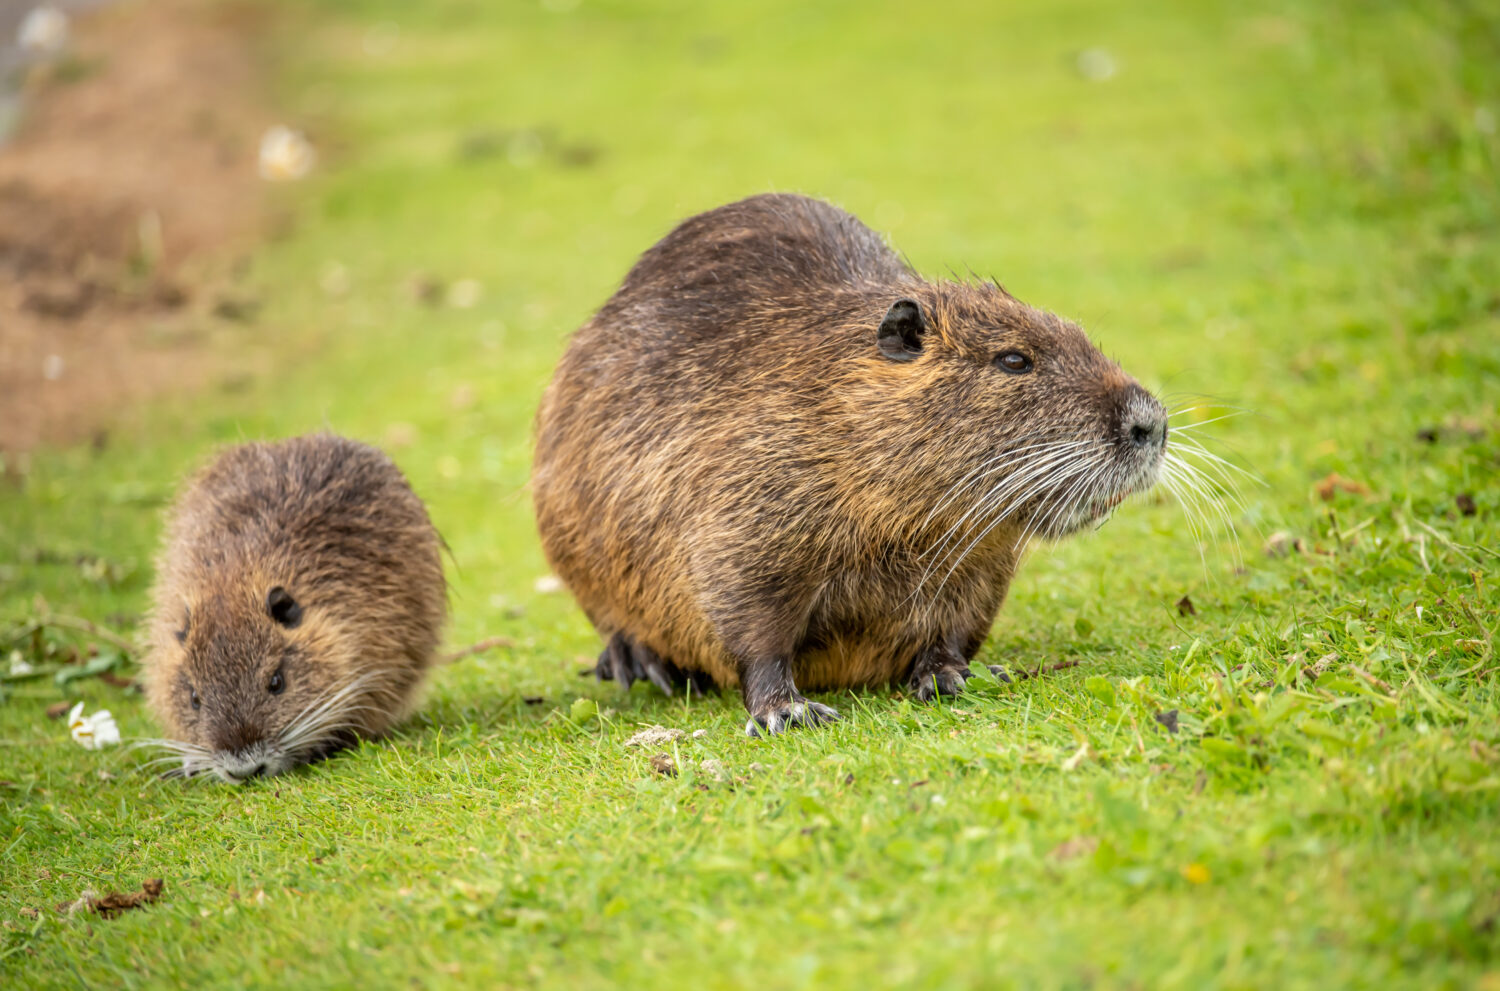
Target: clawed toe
x,y
626,661
798,712
943,681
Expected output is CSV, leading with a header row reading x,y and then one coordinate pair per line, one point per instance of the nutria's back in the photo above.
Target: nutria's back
x,y
778,453
299,597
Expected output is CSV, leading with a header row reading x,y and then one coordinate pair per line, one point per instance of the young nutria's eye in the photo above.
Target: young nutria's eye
x,y
278,683
283,608
1014,362
193,698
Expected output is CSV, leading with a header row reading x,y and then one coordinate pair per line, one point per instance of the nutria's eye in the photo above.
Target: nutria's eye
x,y
278,683
193,698
1014,362
283,608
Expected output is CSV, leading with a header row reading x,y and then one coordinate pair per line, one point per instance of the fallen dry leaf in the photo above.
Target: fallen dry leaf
x,y
115,902
664,764
1315,670
654,736
1185,607
1167,719
1078,846
1465,503
1337,483
58,709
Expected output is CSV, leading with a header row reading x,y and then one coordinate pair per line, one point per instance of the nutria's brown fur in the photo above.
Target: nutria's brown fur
x,y
779,458
298,602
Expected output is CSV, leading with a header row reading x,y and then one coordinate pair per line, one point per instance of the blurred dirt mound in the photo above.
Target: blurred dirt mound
x,y
124,195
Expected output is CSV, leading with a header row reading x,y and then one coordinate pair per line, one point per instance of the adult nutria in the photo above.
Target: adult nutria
x,y
779,458
298,602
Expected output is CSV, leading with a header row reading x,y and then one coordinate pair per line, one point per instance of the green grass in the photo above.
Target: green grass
x,y
1290,208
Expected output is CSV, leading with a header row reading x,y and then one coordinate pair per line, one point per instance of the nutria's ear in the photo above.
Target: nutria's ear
x,y
901,332
283,608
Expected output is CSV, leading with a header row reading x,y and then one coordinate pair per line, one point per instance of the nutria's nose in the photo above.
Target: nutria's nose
x,y
1142,418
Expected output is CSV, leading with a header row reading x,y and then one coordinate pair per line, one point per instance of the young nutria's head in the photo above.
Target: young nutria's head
x,y
1024,424
255,680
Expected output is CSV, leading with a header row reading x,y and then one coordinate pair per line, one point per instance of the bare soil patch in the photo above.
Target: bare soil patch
x,y
125,194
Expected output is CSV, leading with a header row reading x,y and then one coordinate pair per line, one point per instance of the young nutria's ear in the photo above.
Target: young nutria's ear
x,y
901,332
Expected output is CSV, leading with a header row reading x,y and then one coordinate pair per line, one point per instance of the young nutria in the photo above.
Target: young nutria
x,y
777,457
298,602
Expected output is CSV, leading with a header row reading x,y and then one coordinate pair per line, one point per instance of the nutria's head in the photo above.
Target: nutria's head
x,y
1019,424
252,680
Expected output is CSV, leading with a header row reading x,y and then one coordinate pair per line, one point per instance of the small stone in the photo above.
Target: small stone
x,y
285,155
44,31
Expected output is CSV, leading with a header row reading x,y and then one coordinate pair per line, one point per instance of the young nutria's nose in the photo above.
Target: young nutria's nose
x,y
1143,421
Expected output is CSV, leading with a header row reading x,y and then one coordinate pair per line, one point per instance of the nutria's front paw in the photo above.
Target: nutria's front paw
x,y
779,717
931,683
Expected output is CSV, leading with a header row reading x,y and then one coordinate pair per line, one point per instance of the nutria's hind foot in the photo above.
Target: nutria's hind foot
x,y
798,711
626,661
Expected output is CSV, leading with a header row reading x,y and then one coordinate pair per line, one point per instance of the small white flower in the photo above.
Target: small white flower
x,y
19,666
44,31
285,154
1419,614
93,732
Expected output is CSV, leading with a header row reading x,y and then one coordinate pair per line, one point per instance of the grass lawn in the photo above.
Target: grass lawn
x,y
1291,209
